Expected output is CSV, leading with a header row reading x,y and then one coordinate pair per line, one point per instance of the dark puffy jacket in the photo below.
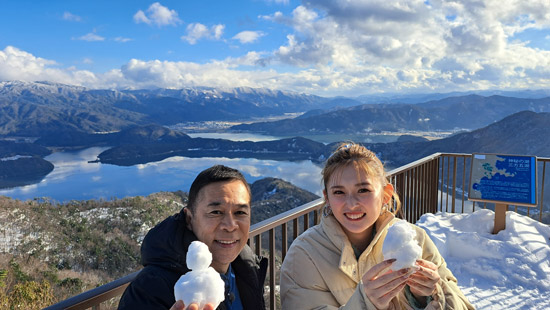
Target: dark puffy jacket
x,y
163,254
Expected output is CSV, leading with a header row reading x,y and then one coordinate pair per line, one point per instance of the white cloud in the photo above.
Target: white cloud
x,y
285,2
197,31
91,37
277,17
16,64
71,17
158,15
531,70
347,47
217,31
140,17
122,39
87,61
416,45
248,36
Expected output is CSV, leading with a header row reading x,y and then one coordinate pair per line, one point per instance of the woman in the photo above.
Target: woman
x,y
338,264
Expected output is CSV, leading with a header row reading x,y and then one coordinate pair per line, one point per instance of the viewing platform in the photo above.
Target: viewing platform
x,y
436,183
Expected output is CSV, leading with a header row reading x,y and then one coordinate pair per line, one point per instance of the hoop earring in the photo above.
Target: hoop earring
x,y
385,207
327,210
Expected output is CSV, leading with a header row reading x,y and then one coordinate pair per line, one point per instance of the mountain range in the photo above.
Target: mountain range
x,y
452,113
43,108
44,116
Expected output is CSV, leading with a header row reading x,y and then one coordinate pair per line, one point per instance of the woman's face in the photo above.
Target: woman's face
x,y
356,200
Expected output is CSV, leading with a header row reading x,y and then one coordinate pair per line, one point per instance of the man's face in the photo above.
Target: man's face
x,y
222,220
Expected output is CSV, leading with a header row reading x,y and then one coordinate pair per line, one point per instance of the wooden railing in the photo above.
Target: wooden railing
x,y
435,183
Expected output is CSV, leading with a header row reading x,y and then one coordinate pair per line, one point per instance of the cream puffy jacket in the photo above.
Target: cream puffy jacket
x,y
320,270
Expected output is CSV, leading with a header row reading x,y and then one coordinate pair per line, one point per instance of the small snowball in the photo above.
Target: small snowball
x,y
400,243
198,256
202,284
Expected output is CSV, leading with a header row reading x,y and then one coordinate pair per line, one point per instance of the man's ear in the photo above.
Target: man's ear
x,y
388,192
188,217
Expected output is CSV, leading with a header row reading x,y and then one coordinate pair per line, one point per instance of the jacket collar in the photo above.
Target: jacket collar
x,y
349,264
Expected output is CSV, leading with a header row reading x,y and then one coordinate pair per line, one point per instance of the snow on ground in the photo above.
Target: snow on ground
x,y
509,270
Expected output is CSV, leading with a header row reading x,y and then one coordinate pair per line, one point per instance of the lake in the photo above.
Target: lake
x,y
73,178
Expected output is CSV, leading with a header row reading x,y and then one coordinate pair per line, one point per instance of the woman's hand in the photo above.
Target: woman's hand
x,y
381,289
423,281
180,306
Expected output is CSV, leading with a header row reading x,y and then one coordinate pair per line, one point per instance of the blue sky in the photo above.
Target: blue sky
x,y
323,47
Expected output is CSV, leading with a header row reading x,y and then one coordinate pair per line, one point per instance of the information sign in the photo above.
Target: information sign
x,y
507,179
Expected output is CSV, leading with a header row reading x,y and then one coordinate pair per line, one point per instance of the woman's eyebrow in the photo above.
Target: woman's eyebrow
x,y
357,184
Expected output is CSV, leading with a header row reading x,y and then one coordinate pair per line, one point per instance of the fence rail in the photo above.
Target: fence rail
x,y
438,182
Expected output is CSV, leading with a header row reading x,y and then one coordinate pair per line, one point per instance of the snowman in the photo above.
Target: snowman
x,y
400,243
202,284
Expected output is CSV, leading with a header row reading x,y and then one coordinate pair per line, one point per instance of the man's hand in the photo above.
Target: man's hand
x,y
180,306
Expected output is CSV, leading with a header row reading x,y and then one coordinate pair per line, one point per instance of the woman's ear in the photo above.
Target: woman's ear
x,y
388,192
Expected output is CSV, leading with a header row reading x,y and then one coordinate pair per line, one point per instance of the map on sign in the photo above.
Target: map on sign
x,y
503,178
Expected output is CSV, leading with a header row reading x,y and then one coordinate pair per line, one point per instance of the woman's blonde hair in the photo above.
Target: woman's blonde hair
x,y
349,153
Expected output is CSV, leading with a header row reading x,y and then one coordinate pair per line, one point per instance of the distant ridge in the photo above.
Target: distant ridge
x,y
522,133
42,108
453,113
424,97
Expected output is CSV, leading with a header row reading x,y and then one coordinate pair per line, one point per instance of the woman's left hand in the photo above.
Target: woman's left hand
x,y
423,282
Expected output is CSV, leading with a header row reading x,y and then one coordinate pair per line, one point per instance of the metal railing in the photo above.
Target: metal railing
x,y
435,183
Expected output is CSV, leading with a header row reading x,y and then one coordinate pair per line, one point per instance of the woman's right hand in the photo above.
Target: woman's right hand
x,y
382,288
179,305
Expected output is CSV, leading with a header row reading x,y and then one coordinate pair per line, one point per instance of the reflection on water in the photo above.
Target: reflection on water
x,y
234,136
73,178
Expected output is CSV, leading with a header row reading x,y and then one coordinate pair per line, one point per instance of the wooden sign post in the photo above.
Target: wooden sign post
x,y
500,217
503,180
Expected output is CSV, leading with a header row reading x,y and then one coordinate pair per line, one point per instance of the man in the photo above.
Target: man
x,y
218,214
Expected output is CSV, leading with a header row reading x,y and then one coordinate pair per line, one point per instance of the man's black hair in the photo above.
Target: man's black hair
x,y
217,173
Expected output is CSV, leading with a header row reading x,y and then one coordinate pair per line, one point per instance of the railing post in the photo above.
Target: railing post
x,y
295,231
284,246
258,244
435,185
441,180
272,267
416,190
409,196
542,191
454,185
400,182
463,180
447,185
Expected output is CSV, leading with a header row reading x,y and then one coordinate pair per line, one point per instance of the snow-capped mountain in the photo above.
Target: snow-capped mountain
x,y
36,108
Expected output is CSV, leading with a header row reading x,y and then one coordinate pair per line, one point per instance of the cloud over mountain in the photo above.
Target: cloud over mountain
x,y
330,48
